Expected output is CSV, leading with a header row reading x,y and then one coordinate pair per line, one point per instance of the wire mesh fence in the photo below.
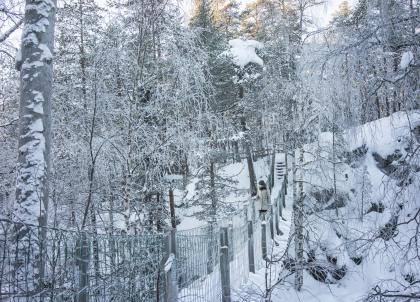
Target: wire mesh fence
x,y
259,261
239,266
48,264
198,268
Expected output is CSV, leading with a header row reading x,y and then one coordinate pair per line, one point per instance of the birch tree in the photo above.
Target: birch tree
x,y
35,66
36,76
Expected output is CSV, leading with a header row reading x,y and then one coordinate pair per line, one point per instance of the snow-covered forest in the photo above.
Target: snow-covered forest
x,y
210,150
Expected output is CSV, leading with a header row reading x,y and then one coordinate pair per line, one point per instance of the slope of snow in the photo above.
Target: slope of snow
x,y
354,231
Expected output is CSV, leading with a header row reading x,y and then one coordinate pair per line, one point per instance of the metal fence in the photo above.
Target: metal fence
x,y
196,265
239,258
79,266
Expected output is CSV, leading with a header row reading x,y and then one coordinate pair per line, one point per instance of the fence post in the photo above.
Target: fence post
x,y
246,213
264,239
210,248
284,195
251,248
280,204
272,222
224,239
285,180
172,242
83,265
276,217
273,167
253,210
170,269
230,241
224,265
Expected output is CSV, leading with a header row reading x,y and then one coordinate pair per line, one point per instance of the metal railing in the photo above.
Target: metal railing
x,y
201,264
78,266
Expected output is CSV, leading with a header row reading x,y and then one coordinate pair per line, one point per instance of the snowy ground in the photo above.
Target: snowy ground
x,y
254,288
384,262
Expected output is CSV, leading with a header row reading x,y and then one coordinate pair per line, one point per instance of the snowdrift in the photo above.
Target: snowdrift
x,y
362,214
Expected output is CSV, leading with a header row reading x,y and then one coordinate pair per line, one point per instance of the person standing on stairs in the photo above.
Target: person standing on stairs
x,y
263,199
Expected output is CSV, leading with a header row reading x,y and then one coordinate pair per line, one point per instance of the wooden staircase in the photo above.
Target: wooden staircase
x,y
280,170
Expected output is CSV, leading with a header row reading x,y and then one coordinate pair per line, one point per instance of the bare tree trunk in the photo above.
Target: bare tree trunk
x,y
90,206
82,53
128,175
363,193
127,194
272,168
286,166
334,167
111,211
251,171
185,171
294,193
213,193
298,223
236,155
172,207
92,165
247,141
36,76
95,244
378,106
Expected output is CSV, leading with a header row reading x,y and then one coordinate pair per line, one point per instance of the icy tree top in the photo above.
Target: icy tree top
x,y
243,52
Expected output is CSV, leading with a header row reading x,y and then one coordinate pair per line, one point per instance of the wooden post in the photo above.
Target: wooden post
x,y
251,248
276,216
286,173
272,168
170,269
230,241
172,242
246,213
264,239
272,222
280,204
285,186
224,240
224,236
254,216
224,272
83,266
210,247
283,195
